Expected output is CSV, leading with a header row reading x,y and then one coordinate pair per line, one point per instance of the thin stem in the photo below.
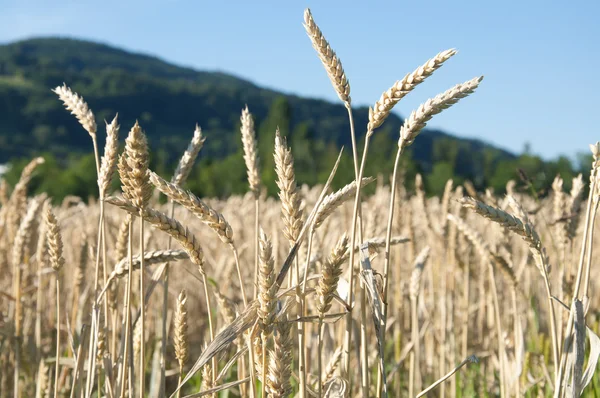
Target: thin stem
x,y
264,364
256,227
355,220
56,366
590,245
348,332
211,329
501,350
386,266
301,325
585,236
17,293
517,334
319,358
415,352
165,308
364,349
239,272
142,309
38,310
127,308
553,325
179,381
95,311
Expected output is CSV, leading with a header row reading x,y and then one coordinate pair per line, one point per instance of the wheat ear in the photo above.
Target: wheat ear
x,y
184,167
168,225
267,298
109,160
288,192
280,361
55,249
336,199
180,336
418,119
330,60
196,206
401,88
78,107
150,257
250,151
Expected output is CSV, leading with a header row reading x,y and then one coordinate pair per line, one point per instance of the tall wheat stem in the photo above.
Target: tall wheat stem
x,y
302,350
56,366
125,362
256,231
501,351
320,330
142,308
355,219
165,309
211,329
386,266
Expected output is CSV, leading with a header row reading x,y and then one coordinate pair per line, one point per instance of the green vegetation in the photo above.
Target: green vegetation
x,y
169,100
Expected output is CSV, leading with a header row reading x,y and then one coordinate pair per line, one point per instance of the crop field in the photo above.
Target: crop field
x,y
370,290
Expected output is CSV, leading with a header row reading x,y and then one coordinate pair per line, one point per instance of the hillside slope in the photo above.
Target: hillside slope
x,y
168,101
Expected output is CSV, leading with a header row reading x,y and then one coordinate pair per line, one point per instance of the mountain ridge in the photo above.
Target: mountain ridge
x,y
167,99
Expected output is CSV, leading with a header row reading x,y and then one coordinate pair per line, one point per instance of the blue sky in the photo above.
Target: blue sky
x,y
541,59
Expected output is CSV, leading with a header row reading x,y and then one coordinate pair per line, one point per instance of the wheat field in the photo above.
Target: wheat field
x,y
315,292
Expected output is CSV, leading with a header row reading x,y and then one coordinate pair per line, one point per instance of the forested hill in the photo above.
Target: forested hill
x,y
169,100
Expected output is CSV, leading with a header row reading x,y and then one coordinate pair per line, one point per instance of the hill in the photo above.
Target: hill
x,y
167,99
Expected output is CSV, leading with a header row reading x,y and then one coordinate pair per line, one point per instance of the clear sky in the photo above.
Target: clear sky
x,y
541,59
